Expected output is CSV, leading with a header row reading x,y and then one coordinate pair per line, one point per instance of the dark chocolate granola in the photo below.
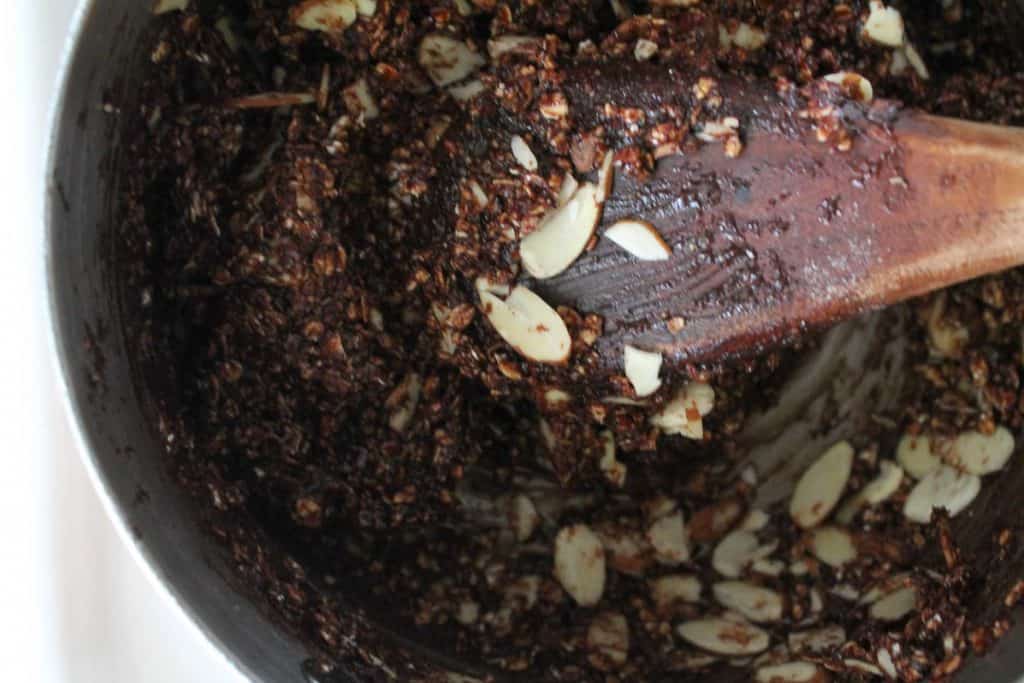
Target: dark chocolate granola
x,y
354,417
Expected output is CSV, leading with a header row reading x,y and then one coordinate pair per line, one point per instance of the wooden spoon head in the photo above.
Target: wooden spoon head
x,y
824,211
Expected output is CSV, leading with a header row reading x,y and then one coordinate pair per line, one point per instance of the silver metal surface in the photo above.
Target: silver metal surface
x,y
107,55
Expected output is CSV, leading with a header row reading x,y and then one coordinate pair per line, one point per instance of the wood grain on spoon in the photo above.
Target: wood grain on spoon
x,y
794,233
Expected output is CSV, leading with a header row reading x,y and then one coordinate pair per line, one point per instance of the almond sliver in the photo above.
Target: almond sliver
x,y
821,486
642,370
944,487
754,602
331,16
640,239
979,453
447,60
724,636
562,235
528,324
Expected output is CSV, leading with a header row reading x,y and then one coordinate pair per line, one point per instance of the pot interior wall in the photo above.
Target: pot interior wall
x,y
111,409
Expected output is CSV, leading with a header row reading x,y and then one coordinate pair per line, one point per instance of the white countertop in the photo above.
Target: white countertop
x,y
74,605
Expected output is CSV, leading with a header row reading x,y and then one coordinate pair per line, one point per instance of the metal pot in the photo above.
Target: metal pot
x,y
105,55
106,58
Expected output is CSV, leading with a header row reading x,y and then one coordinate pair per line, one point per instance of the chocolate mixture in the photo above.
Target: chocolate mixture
x,y
326,268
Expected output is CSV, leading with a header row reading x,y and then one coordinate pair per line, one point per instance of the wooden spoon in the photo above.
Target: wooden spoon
x,y
832,207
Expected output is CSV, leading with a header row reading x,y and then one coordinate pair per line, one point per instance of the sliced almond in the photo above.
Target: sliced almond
x,y
553,106
768,567
917,456
833,546
884,25
899,62
886,664
981,454
644,49
816,603
862,666
749,37
682,415
579,564
680,660
667,591
845,591
670,540
640,239
568,189
554,398
406,398
755,520
942,488
606,177
608,641
790,672
659,506
718,131
712,522
854,85
478,193
562,235
359,102
880,489
735,552
522,517
330,16
448,60
642,370
821,486
754,602
464,92
225,28
882,588
895,605
613,470
528,324
724,636
453,677
468,613
163,6
627,551
623,401
511,44
779,654
817,641
946,337
744,36
915,61
524,156
748,475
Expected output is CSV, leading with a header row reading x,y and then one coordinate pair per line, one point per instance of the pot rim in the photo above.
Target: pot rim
x,y
60,366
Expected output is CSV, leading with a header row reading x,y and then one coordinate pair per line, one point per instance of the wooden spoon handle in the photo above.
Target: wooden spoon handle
x,y
964,213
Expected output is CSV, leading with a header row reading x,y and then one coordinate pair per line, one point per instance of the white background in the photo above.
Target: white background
x,y
74,604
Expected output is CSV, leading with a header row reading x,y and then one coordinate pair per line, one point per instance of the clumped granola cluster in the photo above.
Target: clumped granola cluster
x,y
330,253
